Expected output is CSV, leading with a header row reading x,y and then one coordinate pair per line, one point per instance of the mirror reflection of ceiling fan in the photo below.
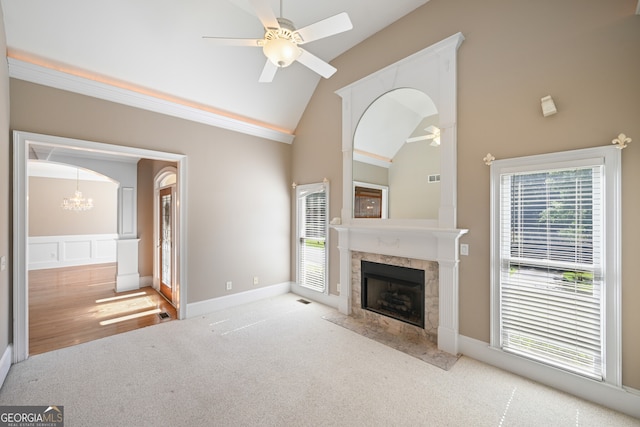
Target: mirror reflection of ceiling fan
x,y
433,133
282,40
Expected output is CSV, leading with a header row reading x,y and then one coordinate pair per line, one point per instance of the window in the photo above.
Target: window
x,y
555,245
312,226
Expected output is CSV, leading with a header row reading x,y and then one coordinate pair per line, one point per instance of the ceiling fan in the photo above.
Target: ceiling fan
x,y
433,134
281,40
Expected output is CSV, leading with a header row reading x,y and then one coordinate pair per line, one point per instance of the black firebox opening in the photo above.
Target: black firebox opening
x,y
393,291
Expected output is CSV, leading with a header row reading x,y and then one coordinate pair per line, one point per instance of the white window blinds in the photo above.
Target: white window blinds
x,y
312,236
551,267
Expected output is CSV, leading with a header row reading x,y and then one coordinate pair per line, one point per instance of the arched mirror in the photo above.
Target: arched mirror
x,y
399,142
396,158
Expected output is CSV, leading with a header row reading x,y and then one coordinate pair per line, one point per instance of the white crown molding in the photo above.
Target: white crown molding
x,y
49,77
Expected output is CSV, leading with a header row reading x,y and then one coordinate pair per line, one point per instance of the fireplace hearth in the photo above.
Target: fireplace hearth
x,y
393,291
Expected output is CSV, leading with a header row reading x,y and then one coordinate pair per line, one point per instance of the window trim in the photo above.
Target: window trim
x,y
611,158
311,188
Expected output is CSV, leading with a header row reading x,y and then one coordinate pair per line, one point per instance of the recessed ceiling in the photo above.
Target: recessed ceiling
x,y
157,45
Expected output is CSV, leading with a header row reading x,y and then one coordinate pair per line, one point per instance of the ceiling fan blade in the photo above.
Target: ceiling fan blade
x,y
325,28
221,41
268,72
264,13
432,129
316,64
417,138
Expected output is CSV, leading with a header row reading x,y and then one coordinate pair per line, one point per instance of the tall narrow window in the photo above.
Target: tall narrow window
x,y
312,225
553,240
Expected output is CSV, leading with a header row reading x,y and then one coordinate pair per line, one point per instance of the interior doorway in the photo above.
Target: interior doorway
x,y
23,142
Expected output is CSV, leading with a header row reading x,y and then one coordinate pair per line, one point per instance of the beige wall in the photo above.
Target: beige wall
x,y
371,174
409,194
585,53
147,171
6,325
239,187
47,218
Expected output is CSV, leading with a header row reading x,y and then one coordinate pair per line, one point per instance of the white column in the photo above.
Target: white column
x,y
448,304
127,214
344,303
128,277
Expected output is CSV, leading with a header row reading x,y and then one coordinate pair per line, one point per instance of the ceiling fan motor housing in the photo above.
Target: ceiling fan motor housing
x,y
281,44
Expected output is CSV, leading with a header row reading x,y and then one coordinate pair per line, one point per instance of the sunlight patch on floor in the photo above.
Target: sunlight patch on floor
x,y
129,317
116,308
137,294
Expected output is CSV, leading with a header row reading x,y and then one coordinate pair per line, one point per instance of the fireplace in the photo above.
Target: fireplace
x,y
393,291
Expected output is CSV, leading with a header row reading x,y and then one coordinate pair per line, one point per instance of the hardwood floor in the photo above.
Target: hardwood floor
x,y
72,305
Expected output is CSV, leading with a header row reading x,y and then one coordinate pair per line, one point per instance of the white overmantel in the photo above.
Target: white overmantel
x,y
432,71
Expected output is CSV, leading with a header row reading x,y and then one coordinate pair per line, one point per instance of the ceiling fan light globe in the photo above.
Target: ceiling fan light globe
x,y
281,52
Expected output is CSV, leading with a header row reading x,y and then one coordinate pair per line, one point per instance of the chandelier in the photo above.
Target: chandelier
x,y
77,202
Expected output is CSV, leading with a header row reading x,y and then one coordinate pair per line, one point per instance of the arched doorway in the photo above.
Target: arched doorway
x,y
165,234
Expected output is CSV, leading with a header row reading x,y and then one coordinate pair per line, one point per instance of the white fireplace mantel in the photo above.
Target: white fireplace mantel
x,y
431,244
433,71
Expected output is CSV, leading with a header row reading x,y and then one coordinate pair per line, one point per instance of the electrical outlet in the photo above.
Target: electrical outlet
x,y
255,280
338,286
229,286
3,263
464,249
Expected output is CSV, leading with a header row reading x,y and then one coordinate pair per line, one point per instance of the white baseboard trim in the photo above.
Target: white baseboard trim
x,y
617,398
216,304
146,281
322,298
632,390
5,363
127,282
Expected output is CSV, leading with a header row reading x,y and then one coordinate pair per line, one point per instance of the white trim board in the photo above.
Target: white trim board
x,y
200,308
617,398
33,73
234,300
329,300
5,363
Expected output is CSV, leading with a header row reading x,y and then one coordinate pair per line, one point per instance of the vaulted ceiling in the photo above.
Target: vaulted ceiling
x,y
155,47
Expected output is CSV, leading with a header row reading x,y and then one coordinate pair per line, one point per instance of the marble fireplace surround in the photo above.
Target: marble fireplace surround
x,y
413,244
396,326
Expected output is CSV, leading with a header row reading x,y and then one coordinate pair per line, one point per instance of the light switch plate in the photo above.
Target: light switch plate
x,y
3,263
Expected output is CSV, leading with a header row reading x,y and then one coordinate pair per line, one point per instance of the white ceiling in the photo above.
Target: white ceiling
x,y
60,171
157,45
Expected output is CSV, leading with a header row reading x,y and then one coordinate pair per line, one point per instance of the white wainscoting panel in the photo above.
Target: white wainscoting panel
x,y
69,251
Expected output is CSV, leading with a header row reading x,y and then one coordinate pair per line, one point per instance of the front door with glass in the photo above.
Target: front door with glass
x,y
165,246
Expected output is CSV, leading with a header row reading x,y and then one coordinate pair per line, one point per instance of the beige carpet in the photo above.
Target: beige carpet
x,y
277,362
